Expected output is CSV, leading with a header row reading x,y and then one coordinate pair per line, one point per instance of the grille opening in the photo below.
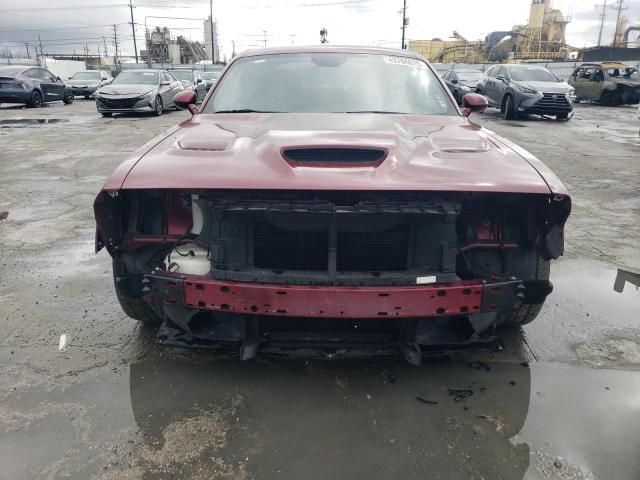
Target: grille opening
x,y
284,250
373,251
321,156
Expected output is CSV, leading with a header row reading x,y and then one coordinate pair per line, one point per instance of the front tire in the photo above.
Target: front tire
x,y
106,114
67,99
509,108
562,116
159,107
134,307
527,313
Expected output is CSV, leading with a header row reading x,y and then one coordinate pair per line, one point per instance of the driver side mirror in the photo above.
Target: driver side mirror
x,y
454,81
474,103
502,78
58,79
164,83
199,80
186,100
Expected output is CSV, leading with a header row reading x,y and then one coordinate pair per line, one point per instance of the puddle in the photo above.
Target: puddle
x,y
13,122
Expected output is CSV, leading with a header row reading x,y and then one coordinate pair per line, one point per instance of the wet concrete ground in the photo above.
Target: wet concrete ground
x,y
561,401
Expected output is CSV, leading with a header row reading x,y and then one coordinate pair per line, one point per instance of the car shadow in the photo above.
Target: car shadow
x,y
377,418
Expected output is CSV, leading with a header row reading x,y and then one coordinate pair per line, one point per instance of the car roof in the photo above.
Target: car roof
x,y
15,70
356,49
465,70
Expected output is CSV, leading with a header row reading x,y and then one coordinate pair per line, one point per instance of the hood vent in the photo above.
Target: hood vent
x,y
334,157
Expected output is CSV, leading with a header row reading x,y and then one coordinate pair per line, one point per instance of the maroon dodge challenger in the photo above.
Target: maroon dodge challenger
x,y
331,201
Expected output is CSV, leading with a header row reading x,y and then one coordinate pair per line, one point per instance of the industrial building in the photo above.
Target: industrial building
x,y
541,38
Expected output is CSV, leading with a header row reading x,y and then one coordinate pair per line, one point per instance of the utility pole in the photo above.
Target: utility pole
x,y
265,38
115,40
404,21
602,17
133,30
233,50
615,35
106,52
99,56
39,41
213,48
293,36
86,54
27,45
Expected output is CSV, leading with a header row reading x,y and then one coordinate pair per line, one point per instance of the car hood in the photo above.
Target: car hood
x,y
82,82
546,87
625,81
244,151
124,89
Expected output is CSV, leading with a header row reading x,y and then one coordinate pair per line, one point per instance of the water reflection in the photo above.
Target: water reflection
x,y
356,419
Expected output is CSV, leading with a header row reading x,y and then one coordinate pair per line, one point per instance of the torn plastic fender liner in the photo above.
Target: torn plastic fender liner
x,y
552,233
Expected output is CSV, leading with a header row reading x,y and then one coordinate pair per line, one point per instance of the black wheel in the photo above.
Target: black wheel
x,y
531,268
68,98
159,108
36,99
134,307
106,114
562,116
86,97
509,109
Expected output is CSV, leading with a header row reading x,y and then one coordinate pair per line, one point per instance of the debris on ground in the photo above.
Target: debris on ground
x,y
4,215
460,393
479,365
427,401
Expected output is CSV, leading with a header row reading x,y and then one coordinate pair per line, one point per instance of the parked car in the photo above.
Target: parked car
x,y
462,81
609,83
210,78
326,200
526,89
33,86
138,91
85,83
191,80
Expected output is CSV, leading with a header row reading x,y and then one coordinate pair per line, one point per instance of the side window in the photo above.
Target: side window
x,y
164,77
492,72
453,77
502,71
598,76
47,76
170,77
32,73
447,74
578,72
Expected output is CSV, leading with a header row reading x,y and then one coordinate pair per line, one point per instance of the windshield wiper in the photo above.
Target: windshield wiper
x,y
245,110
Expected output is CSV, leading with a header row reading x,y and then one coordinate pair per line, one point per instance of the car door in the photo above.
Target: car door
x,y
165,88
176,85
52,88
493,86
595,86
577,81
501,83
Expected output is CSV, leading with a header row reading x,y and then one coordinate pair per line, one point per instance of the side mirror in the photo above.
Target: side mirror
x,y
58,79
454,81
199,80
502,78
474,103
186,100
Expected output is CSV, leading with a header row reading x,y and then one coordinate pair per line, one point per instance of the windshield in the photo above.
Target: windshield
x,y
86,76
183,75
532,75
470,77
132,77
331,82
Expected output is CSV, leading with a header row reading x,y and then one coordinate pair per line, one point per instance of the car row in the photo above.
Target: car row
x,y
86,82
518,89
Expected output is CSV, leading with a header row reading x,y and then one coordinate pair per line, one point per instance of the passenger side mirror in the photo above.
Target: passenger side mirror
x,y
58,79
502,78
454,81
474,103
199,80
186,100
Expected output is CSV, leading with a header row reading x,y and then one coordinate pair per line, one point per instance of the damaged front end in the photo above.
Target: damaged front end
x,y
332,272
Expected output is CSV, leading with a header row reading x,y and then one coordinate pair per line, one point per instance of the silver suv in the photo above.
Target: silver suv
x,y
526,89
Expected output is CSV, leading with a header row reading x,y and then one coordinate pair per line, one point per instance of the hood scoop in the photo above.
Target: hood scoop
x,y
334,156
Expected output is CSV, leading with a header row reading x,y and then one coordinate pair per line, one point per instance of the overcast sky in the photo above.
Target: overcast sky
x,y
66,25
